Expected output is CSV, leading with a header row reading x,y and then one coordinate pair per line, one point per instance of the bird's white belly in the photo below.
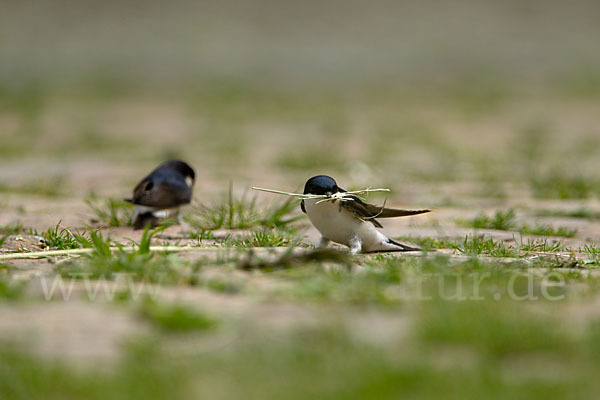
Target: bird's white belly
x,y
158,213
338,224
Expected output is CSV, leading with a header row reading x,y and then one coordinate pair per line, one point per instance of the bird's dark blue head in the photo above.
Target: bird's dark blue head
x,y
180,166
322,185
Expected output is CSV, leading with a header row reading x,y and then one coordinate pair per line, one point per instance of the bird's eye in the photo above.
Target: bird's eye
x,y
149,186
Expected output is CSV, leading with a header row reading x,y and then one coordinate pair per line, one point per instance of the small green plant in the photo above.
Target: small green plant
x,y
505,220
220,284
242,213
112,212
177,318
502,220
107,261
594,251
475,245
281,215
541,245
263,239
547,230
234,213
583,213
13,228
146,241
97,242
60,238
202,234
289,259
429,243
48,188
559,186
9,289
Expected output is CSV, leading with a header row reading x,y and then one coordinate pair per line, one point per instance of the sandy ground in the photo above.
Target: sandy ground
x,y
86,330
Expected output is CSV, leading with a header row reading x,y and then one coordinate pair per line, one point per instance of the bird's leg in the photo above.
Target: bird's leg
x,y
184,227
355,245
180,220
323,242
142,220
403,247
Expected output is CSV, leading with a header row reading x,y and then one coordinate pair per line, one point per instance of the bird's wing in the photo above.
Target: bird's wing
x,y
302,207
161,195
368,212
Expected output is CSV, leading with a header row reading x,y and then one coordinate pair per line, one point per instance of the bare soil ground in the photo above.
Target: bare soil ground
x,y
461,165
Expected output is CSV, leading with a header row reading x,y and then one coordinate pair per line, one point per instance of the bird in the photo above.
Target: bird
x,y
350,222
162,192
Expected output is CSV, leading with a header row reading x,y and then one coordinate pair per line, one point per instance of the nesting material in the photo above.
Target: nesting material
x,y
342,196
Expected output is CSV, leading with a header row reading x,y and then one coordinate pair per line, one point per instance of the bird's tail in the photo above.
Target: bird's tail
x,y
403,247
388,245
394,212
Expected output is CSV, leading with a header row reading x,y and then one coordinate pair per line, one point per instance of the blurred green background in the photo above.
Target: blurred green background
x,y
183,45
266,91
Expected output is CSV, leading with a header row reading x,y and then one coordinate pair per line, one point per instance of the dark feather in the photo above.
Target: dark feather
x,y
165,187
302,206
369,212
162,195
145,219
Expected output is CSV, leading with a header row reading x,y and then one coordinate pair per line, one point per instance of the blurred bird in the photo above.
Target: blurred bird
x,y
350,221
160,194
